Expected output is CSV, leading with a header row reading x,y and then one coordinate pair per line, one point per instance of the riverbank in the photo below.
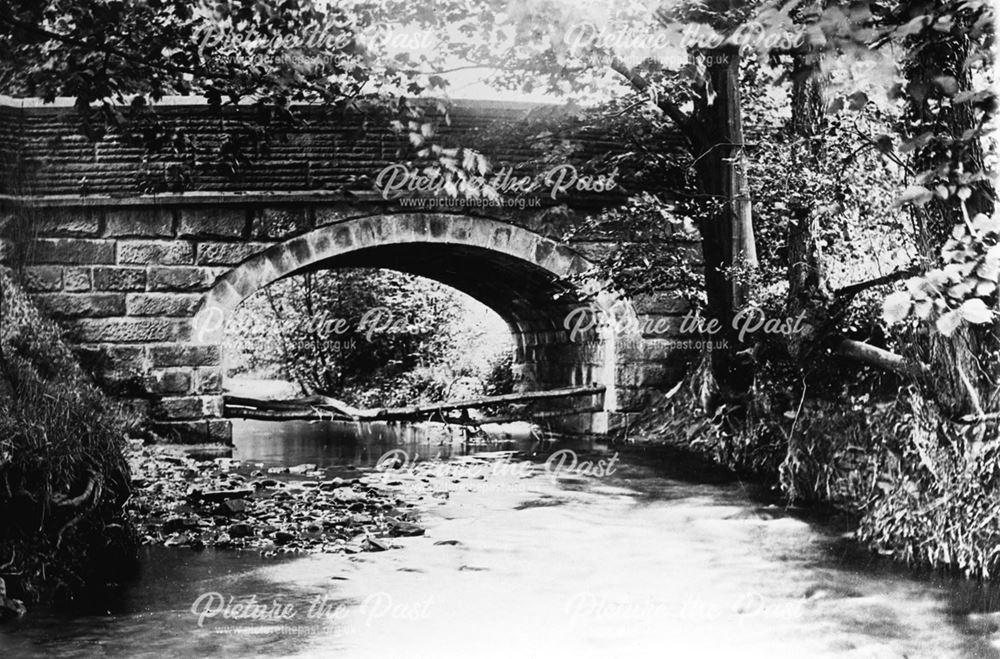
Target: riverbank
x,y
918,488
63,476
182,501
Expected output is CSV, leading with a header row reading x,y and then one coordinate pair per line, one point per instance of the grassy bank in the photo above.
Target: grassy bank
x,y
925,492
63,475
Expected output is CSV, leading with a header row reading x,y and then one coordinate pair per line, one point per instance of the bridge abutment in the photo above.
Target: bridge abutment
x,y
144,288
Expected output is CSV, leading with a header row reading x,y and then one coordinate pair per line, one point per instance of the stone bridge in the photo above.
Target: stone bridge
x,y
144,282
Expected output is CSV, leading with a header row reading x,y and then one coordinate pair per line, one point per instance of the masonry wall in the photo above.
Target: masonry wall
x,y
125,277
104,246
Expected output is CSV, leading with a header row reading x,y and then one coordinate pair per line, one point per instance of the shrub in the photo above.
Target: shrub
x,y
373,337
936,500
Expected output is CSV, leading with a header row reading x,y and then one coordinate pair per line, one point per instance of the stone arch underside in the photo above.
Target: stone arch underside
x,y
521,275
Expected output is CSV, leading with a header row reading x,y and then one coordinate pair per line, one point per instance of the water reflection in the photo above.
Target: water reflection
x,y
339,443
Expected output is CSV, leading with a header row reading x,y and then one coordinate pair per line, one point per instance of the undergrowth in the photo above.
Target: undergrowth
x,y
63,475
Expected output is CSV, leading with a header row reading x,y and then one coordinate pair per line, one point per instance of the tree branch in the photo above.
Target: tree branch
x,y
879,357
686,123
854,289
109,50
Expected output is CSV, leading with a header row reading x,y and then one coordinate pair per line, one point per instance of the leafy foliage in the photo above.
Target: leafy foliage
x,y
375,337
935,500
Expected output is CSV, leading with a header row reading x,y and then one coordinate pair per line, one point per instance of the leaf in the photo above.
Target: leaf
x,y
960,291
949,322
986,224
922,309
989,270
985,288
915,194
975,311
896,307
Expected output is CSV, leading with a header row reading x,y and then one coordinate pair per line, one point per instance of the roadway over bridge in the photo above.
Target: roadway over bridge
x,y
144,278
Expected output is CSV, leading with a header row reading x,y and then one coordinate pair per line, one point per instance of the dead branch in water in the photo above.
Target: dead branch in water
x,y
326,408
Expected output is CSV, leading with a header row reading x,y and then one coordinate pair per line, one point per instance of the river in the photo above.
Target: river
x,y
516,561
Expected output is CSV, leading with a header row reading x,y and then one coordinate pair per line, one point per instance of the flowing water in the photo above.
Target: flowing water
x,y
521,562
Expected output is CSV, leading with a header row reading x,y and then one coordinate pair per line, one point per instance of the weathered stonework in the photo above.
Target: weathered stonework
x,y
144,285
166,294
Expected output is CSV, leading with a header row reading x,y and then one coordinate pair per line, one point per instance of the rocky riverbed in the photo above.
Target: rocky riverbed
x,y
181,501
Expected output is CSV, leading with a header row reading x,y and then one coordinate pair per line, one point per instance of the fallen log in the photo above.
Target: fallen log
x,y
548,414
301,414
324,407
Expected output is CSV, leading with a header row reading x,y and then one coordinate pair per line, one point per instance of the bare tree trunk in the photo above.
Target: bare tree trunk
x,y
728,245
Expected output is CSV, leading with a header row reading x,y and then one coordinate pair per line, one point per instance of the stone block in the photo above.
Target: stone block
x,y
180,278
208,381
215,253
119,279
130,330
185,355
77,279
71,251
179,407
117,369
187,407
162,304
128,356
211,431
38,278
81,305
279,222
177,382
80,222
139,221
155,252
212,222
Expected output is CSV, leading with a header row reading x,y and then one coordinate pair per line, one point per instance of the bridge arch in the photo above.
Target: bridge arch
x,y
523,276
125,272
